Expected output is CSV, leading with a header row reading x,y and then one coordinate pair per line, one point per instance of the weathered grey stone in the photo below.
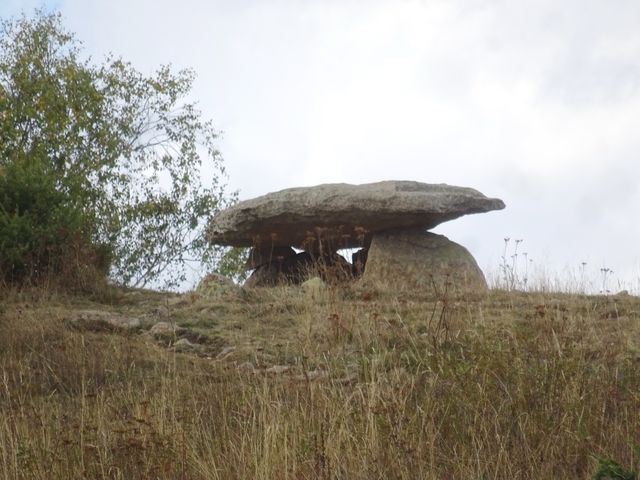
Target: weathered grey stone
x,y
334,216
297,269
165,330
215,285
162,328
247,366
161,311
312,376
314,284
418,259
277,369
225,352
98,320
314,288
184,345
358,261
260,256
292,270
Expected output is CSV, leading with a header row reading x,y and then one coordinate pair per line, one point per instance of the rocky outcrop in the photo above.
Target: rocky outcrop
x,y
328,217
424,260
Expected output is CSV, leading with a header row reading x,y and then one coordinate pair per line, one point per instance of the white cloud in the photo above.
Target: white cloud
x,y
533,101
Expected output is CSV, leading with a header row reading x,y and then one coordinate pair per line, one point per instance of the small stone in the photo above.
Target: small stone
x,y
247,367
162,329
215,285
278,369
160,312
312,376
179,300
313,286
98,320
315,289
349,379
183,345
225,352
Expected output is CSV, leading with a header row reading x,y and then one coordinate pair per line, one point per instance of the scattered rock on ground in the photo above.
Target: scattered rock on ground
x,y
277,369
246,367
312,376
313,287
172,335
349,379
225,352
180,300
165,329
98,320
216,285
161,311
183,345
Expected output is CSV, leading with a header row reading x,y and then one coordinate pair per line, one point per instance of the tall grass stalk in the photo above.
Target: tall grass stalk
x,y
367,385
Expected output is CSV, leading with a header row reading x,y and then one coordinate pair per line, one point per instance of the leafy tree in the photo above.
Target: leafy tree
x,y
117,156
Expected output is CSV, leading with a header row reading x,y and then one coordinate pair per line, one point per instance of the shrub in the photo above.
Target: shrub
x,y
99,161
44,233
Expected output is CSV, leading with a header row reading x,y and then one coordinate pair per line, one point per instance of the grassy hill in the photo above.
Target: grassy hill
x,y
328,383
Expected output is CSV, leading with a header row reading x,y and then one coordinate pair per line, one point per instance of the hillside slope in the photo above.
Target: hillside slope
x,y
351,383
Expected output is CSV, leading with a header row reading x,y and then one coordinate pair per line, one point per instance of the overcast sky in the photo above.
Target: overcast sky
x,y
535,102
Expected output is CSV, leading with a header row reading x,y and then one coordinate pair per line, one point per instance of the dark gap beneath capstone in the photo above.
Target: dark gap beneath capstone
x,y
294,269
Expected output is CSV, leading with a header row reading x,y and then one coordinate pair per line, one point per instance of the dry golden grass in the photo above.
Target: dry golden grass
x,y
331,384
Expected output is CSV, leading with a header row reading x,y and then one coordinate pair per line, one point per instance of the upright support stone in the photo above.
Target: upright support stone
x,y
423,260
297,269
261,256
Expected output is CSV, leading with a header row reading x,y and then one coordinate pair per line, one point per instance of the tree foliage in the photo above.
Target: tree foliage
x,y
103,155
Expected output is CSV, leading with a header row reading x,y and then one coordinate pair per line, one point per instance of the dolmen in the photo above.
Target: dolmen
x,y
296,233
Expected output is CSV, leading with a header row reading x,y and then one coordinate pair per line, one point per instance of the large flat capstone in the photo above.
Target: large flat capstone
x,y
343,215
